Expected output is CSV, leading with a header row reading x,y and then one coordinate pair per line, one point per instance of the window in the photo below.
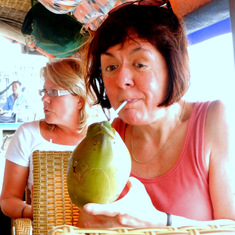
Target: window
x,y
25,68
212,69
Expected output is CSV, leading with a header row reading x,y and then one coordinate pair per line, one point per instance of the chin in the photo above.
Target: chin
x,y
49,120
132,120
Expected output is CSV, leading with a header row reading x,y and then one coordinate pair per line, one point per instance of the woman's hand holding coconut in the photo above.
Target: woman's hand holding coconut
x,y
126,211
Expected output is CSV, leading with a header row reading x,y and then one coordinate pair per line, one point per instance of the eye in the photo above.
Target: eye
x,y
111,68
52,93
140,65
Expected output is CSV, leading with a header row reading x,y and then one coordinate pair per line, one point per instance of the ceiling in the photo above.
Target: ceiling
x,y
197,14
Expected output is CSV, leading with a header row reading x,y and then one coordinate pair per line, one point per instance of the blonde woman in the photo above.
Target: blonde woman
x,y
65,104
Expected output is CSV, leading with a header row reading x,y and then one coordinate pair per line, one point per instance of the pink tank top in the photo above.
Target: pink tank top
x,y
184,190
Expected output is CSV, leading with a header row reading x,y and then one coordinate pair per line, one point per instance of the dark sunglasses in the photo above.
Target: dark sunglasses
x,y
158,3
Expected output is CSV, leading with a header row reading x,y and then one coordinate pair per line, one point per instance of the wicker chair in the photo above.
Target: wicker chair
x,y
51,202
207,230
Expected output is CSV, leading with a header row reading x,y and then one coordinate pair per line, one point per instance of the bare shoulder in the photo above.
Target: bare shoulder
x,y
219,129
219,114
216,107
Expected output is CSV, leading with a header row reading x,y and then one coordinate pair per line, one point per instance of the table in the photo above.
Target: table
x,y
8,127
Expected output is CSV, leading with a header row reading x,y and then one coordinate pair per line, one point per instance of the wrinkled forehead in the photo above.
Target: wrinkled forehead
x,y
132,45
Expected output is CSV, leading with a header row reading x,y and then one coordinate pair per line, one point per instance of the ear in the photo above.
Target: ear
x,y
80,103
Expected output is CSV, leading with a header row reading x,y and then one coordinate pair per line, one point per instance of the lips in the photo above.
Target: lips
x,y
46,110
130,100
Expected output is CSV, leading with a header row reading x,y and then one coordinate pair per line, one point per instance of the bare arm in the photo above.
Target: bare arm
x,y
15,179
220,137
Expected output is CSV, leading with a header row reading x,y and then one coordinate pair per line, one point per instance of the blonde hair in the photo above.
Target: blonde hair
x,y
66,73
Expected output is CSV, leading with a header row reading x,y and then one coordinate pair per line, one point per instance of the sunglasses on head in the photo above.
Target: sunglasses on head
x,y
158,3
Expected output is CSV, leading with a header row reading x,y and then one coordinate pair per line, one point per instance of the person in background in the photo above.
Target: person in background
x,y
66,105
16,103
182,152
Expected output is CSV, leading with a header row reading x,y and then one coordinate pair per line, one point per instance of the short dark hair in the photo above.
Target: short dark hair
x,y
19,83
160,27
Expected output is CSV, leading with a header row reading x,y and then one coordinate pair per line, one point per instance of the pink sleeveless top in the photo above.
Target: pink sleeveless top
x,y
184,190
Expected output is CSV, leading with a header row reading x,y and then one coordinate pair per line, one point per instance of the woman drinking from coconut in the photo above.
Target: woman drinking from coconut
x,y
182,152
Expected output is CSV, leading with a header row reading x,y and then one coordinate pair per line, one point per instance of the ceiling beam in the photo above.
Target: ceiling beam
x,y
232,21
11,31
207,15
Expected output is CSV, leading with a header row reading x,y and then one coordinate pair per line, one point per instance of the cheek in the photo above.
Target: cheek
x,y
109,86
158,81
107,82
69,104
152,86
154,89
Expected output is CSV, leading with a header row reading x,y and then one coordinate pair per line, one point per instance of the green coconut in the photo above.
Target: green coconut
x,y
99,167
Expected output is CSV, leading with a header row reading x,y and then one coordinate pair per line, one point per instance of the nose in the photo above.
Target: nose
x,y
124,77
46,98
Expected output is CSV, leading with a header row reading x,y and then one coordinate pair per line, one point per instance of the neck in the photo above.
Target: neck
x,y
166,120
65,135
161,135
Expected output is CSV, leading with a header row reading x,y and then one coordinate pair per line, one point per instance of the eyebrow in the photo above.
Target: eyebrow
x,y
107,53
137,49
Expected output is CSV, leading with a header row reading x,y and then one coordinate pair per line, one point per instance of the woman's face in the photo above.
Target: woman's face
x,y
61,109
136,72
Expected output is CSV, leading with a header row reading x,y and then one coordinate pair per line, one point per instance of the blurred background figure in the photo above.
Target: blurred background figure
x,y
16,107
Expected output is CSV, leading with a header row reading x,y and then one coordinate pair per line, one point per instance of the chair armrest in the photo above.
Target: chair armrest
x,y
22,226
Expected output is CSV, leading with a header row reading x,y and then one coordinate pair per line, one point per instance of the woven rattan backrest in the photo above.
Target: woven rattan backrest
x,y
51,202
189,230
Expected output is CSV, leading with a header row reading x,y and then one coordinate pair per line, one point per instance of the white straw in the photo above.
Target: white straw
x,y
120,107
117,111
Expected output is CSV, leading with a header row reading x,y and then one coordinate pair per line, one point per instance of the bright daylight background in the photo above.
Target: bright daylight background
x,y
24,68
212,69
211,62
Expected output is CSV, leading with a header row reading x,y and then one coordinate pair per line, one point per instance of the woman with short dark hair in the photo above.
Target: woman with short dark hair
x,y
182,152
